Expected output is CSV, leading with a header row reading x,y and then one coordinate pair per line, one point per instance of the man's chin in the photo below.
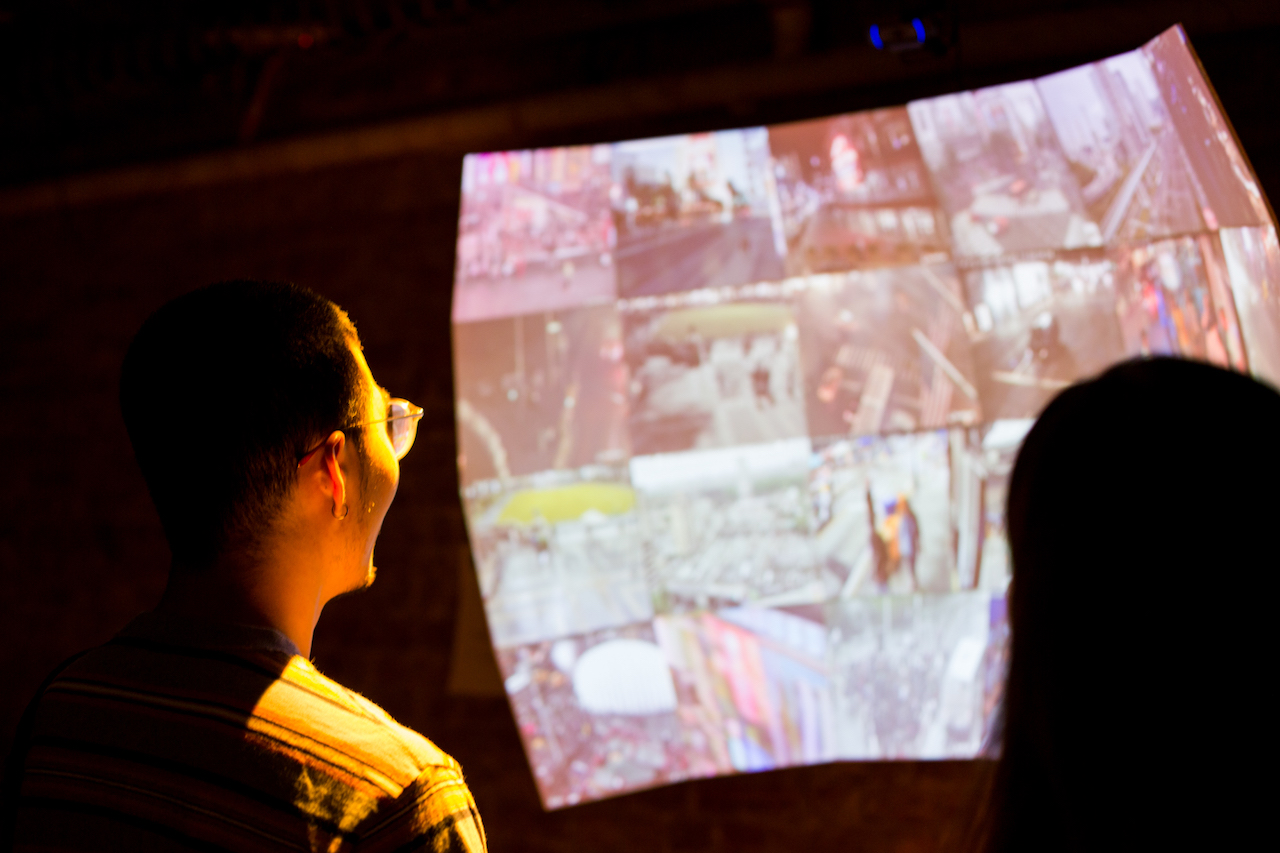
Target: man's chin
x,y
363,584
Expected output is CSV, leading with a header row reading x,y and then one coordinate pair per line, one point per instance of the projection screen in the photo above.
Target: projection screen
x,y
736,411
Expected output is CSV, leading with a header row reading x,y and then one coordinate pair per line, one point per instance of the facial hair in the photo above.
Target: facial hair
x,y
372,482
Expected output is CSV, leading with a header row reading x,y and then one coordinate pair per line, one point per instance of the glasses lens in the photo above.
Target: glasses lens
x,y
402,425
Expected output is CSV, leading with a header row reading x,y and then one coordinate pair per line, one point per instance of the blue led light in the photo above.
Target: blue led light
x,y
875,37
919,26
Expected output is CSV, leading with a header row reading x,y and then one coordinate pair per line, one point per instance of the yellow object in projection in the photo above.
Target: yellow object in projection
x,y
726,321
567,503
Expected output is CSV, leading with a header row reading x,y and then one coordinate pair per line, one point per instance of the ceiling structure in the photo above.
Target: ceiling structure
x,y
89,86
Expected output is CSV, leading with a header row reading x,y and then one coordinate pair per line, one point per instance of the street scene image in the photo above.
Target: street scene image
x,y
557,553
1135,178
729,526
695,211
538,392
854,193
912,673
1173,298
886,351
1041,325
713,376
761,676
535,232
1233,198
999,172
883,516
1253,266
601,714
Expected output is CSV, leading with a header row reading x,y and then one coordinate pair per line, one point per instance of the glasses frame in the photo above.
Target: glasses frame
x,y
414,414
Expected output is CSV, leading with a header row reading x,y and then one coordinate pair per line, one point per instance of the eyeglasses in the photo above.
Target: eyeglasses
x,y
402,428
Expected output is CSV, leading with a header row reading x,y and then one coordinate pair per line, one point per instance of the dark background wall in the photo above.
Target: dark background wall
x,y
360,203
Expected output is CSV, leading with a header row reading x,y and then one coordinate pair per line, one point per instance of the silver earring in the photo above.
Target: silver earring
x,y
345,509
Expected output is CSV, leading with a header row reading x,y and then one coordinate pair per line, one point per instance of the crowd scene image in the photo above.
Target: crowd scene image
x,y
535,232
737,411
911,674
603,713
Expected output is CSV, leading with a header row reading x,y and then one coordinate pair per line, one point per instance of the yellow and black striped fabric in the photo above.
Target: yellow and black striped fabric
x,y
185,737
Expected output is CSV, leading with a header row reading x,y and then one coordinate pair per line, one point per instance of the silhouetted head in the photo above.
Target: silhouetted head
x,y
1141,515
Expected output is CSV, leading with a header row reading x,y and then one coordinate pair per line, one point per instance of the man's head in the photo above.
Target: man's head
x,y
224,389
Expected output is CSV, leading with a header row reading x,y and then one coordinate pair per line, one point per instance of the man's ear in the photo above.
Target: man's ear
x,y
331,460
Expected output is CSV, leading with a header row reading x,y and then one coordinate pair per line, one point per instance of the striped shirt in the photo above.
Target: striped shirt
x,y
174,737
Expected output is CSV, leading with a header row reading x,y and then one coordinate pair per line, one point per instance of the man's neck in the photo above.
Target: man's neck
x,y
260,593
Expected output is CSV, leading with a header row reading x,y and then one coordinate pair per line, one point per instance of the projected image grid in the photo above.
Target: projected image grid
x,y
737,410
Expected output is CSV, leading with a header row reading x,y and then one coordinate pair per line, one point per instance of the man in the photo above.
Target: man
x,y
271,456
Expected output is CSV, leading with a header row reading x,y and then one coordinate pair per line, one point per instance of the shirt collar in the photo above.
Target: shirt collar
x,y
206,634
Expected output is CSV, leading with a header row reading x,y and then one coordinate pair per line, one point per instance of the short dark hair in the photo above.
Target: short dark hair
x,y
222,390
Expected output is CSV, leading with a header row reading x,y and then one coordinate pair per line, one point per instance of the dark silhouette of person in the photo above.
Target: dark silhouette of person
x,y
881,564
1049,355
1141,639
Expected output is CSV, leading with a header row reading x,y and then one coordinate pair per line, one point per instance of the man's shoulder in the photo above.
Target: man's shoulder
x,y
434,808
349,716
233,744
282,700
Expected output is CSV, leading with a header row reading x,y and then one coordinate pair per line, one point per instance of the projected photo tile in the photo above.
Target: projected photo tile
x,y
1252,257
695,211
885,515
557,553
729,526
1227,189
540,391
885,351
535,232
712,375
1042,325
760,676
1173,298
1000,173
602,714
854,193
1121,143
916,676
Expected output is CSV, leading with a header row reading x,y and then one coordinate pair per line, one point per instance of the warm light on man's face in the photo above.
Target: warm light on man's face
x,y
380,479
